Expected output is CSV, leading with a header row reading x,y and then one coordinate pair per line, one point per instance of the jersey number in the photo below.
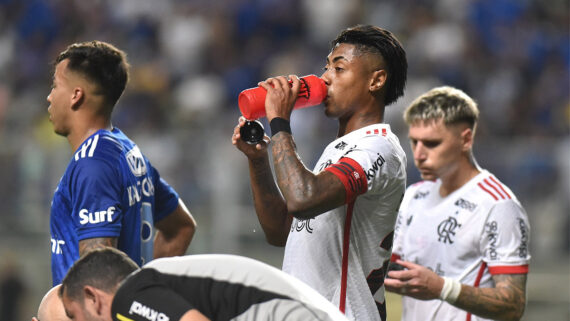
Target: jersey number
x,y
147,233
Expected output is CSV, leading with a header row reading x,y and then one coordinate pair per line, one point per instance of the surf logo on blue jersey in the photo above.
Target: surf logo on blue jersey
x,y
96,217
136,162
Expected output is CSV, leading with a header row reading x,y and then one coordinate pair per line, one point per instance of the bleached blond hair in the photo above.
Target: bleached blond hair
x,y
450,104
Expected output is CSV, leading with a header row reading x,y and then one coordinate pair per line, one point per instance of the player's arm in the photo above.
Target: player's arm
x,y
87,245
269,204
174,232
300,194
506,301
307,194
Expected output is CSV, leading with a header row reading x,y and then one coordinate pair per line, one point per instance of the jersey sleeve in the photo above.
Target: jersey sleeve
x,y
352,177
166,198
378,161
156,301
506,239
96,199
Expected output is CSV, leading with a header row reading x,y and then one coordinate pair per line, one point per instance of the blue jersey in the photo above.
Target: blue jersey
x,y
108,190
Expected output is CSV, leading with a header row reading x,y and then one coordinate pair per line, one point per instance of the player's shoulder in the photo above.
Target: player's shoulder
x,y
380,138
489,189
376,133
102,145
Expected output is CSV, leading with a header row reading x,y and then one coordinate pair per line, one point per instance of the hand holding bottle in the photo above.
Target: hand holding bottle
x,y
313,91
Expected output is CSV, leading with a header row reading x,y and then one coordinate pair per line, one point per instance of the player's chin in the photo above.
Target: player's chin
x,y
428,176
329,110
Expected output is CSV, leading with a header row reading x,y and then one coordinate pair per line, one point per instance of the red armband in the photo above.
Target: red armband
x,y
518,269
352,177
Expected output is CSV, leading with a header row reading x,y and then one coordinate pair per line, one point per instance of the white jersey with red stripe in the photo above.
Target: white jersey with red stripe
x,y
344,253
477,231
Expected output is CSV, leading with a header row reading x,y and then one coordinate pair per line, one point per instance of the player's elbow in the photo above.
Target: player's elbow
x,y
276,235
301,207
299,212
187,230
514,314
276,241
518,312
179,231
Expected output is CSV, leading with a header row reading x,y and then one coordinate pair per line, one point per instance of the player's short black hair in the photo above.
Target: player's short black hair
x,y
102,64
372,39
102,268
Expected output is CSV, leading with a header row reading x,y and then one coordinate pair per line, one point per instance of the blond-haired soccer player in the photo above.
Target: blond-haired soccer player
x,y
461,236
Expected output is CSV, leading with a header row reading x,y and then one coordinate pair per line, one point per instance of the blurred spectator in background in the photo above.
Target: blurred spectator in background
x,y
512,56
12,291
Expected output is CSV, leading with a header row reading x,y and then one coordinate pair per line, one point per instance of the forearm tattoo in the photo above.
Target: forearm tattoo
x,y
94,243
505,301
288,167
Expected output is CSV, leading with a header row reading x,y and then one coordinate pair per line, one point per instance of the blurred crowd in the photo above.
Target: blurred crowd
x,y
190,60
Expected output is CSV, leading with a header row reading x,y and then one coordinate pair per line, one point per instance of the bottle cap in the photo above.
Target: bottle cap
x,y
252,132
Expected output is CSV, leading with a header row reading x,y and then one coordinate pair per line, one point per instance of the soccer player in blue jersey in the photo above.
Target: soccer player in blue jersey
x,y
110,194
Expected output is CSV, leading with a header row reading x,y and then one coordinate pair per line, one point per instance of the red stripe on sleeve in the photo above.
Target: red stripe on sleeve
x,y
519,269
488,191
500,186
480,274
493,187
477,281
352,177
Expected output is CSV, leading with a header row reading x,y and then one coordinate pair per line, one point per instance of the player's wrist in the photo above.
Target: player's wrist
x,y
278,124
450,290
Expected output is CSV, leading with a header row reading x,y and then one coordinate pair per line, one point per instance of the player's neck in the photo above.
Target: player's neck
x,y
372,114
462,174
85,127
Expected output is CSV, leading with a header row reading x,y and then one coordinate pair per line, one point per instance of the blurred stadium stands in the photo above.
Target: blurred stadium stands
x,y
190,59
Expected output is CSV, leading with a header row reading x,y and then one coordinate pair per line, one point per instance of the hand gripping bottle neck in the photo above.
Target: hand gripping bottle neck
x,y
313,91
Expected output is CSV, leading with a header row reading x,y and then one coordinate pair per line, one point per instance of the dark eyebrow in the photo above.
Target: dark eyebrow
x,y
337,58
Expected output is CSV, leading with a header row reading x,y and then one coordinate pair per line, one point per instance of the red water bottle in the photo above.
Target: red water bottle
x,y
251,101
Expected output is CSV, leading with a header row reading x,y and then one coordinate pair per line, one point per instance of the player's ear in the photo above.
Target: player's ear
x,y
378,80
77,97
466,139
92,300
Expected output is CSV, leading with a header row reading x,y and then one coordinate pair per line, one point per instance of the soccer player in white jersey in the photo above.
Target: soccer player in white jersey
x,y
336,222
462,236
